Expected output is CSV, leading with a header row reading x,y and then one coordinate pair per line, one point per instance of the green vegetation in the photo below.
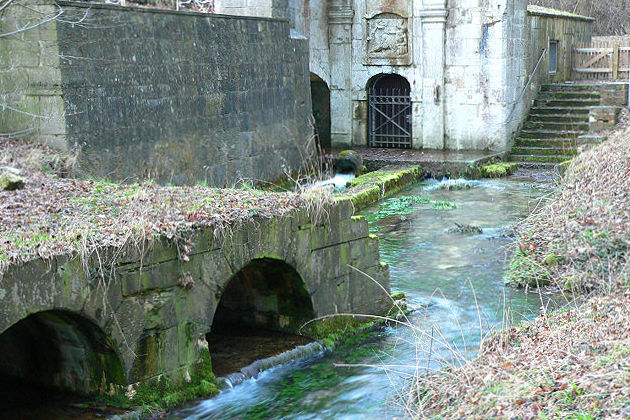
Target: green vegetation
x,y
374,186
497,170
397,206
526,271
331,331
158,394
10,182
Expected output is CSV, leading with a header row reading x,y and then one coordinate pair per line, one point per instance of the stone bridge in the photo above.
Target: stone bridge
x,y
129,315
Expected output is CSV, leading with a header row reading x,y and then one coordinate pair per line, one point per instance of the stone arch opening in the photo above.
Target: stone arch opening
x,y
259,315
54,356
389,111
320,96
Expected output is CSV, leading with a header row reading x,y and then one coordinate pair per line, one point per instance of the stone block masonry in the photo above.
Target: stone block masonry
x,y
178,97
153,308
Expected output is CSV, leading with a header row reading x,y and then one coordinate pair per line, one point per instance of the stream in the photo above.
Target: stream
x,y
454,282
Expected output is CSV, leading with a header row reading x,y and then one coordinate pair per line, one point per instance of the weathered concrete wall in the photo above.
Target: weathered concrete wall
x,y
155,307
178,97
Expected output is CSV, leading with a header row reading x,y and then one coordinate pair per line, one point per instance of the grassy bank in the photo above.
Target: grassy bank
x,y
570,363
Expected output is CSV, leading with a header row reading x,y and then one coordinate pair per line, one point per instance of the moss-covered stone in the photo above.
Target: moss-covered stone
x,y
349,161
11,182
374,186
497,170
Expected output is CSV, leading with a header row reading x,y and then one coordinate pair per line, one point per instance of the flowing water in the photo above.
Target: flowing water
x,y
454,280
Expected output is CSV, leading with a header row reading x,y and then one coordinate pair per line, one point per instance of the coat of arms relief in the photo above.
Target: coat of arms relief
x,y
387,36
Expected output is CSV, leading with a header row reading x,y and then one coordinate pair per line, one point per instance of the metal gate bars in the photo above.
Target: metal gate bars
x,y
389,117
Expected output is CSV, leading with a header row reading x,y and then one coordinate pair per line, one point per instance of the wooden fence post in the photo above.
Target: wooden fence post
x,y
615,63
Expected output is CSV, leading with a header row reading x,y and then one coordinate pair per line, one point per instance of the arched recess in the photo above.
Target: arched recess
x,y
259,314
52,353
389,111
320,95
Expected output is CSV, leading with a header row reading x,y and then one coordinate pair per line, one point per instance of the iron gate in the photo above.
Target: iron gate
x,y
389,116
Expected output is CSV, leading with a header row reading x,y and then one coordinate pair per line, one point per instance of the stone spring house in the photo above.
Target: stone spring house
x,y
433,74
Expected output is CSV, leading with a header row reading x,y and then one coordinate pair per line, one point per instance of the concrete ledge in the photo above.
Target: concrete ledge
x,y
374,186
117,7
545,11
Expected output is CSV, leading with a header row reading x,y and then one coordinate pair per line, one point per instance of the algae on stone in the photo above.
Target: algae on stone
x,y
11,182
498,170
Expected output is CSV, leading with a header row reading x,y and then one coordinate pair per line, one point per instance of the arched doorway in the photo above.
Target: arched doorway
x,y
389,111
51,357
258,316
320,95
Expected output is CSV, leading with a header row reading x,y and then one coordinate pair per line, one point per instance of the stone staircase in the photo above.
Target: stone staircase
x,y
559,116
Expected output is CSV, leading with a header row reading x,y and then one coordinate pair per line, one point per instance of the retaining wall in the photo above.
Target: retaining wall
x,y
178,97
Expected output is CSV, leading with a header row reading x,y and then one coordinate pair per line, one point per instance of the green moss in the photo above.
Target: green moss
x,y
398,295
497,170
443,205
332,331
373,186
158,394
10,182
551,260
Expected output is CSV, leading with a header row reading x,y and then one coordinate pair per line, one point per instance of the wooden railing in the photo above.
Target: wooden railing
x,y
602,60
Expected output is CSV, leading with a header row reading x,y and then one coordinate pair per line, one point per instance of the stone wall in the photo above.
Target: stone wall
x,y
156,307
178,97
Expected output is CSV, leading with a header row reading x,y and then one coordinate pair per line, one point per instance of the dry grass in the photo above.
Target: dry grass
x,y
580,240
53,216
571,364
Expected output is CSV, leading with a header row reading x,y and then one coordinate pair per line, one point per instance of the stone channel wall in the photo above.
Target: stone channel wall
x,y
178,97
156,307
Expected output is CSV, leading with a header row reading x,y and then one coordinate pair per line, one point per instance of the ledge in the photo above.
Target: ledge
x,y
118,8
547,12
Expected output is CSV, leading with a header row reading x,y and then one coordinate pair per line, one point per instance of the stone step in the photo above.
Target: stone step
x,y
574,103
568,87
548,134
566,118
537,165
564,110
539,158
544,151
555,143
570,95
555,126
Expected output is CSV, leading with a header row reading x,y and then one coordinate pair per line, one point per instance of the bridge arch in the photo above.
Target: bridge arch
x,y
259,313
56,351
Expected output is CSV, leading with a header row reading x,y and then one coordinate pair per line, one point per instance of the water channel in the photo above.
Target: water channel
x,y
453,280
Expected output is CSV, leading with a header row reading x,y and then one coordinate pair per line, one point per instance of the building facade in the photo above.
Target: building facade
x,y
432,74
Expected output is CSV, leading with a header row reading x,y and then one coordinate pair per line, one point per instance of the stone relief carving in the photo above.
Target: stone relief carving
x,y
387,36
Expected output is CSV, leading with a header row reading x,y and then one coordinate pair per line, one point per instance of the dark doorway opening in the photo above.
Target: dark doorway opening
x,y
320,95
259,315
51,360
389,112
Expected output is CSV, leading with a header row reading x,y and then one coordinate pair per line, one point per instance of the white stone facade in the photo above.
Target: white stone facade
x,y
465,60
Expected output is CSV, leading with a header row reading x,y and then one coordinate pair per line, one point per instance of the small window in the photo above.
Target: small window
x,y
553,57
